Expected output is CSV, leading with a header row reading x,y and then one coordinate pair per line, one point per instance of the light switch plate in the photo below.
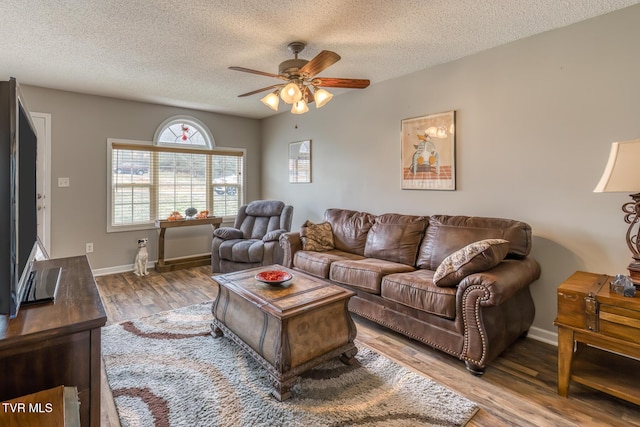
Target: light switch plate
x,y
63,181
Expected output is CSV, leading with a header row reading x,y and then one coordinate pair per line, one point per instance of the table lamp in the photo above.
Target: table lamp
x,y
622,174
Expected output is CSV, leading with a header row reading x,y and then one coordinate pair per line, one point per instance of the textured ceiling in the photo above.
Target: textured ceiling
x,y
177,52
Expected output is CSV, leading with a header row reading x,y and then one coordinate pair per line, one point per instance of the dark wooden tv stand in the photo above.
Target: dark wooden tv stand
x,y
57,344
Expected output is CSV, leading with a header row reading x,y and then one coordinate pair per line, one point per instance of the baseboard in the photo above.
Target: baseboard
x,y
119,269
129,267
543,335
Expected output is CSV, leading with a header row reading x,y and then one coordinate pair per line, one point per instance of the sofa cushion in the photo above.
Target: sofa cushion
x,y
318,263
446,234
473,258
365,274
242,250
350,229
395,238
417,290
316,237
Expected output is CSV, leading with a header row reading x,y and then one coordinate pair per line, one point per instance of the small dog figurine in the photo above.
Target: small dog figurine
x,y
142,257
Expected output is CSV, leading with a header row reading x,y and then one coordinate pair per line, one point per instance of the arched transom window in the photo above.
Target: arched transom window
x,y
185,132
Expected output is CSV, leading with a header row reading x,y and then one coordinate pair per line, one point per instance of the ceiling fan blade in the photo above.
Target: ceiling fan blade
x,y
322,61
343,83
259,90
249,70
308,95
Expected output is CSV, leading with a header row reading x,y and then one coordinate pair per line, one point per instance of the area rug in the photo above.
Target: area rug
x,y
167,370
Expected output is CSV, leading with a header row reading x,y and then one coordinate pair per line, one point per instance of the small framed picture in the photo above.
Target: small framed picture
x,y
428,152
300,161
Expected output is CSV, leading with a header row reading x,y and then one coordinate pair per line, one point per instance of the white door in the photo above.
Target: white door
x,y
42,122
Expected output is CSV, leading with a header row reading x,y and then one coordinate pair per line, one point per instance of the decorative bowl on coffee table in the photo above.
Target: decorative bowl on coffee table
x,y
273,277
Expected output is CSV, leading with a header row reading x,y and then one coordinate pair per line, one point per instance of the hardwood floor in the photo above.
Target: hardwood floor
x,y
518,389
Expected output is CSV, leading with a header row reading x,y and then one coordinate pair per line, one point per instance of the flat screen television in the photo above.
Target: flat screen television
x,y
19,246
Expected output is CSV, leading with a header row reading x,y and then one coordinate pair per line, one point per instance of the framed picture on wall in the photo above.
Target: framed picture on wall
x,y
429,152
300,161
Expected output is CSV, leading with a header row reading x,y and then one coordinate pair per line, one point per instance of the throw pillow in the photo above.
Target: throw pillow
x,y
473,258
316,237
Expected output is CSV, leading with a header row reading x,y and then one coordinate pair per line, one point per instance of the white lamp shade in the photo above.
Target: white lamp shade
x,y
272,101
291,93
322,97
300,107
622,173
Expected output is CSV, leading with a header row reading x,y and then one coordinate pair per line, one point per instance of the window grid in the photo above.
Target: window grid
x,y
150,183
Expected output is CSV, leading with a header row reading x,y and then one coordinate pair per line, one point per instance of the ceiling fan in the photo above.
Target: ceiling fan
x,y
301,85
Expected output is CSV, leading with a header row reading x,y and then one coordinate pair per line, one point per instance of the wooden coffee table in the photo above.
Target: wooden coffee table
x,y
288,328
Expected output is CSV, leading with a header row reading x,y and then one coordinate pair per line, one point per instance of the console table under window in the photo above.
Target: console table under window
x,y
162,265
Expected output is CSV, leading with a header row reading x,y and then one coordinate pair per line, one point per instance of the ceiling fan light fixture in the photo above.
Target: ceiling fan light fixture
x,y
272,100
301,87
291,93
322,96
300,107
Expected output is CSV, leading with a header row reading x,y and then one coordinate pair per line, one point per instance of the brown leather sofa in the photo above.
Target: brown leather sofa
x,y
390,261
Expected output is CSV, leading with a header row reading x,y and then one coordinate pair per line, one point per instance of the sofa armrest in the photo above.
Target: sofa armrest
x,y
228,233
290,243
494,308
503,281
274,235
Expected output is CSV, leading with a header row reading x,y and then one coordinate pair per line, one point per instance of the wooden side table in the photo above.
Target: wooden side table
x,y
196,261
598,337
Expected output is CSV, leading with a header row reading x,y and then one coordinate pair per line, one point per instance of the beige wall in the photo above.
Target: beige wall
x,y
535,119
80,126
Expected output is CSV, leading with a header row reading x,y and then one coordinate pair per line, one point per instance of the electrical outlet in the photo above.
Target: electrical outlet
x,y
89,248
63,182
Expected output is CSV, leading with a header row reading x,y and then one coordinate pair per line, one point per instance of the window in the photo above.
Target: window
x,y
183,131
182,169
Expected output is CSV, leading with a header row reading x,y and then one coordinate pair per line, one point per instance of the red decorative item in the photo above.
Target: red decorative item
x,y
273,277
185,130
